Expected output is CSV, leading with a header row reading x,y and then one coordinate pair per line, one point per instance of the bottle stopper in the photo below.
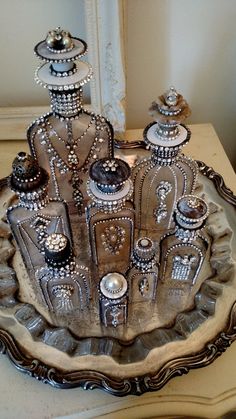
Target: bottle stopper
x,y
144,250
109,175
59,40
167,134
60,47
171,110
59,50
110,185
57,250
26,175
191,211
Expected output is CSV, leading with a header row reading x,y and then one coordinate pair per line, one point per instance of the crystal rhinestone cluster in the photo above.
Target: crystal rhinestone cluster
x,y
55,242
110,165
96,235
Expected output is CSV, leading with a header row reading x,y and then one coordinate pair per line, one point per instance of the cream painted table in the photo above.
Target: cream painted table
x,y
208,392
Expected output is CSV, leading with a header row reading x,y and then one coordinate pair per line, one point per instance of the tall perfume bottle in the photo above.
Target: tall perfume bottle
x,y
113,301
143,275
161,179
35,216
63,284
69,139
110,217
184,250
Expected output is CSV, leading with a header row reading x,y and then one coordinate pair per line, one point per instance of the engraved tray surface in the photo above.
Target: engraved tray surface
x,y
188,327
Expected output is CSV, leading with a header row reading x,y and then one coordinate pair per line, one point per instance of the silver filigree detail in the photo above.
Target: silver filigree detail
x,y
182,267
113,239
40,224
115,312
144,286
63,295
163,189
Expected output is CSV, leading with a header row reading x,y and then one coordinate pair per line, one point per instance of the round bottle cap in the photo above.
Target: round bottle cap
x,y
59,72
167,134
109,175
113,285
191,211
171,109
59,46
26,174
144,249
57,250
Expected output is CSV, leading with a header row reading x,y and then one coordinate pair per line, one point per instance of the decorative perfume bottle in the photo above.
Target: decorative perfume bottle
x,y
70,138
143,275
110,217
35,216
63,284
113,299
161,179
183,251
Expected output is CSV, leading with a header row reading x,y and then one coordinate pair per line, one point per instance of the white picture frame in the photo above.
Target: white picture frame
x,y
105,38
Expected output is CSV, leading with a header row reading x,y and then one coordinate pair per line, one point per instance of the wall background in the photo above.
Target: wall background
x,y
23,24
189,44
186,43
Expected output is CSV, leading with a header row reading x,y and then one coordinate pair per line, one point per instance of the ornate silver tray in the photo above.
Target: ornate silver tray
x,y
190,328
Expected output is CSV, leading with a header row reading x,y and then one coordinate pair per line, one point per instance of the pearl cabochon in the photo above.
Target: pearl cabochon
x,y
113,285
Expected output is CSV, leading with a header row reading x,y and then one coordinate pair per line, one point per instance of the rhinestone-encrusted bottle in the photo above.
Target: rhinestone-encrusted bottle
x,y
35,216
143,275
111,216
184,250
70,138
64,285
161,179
113,299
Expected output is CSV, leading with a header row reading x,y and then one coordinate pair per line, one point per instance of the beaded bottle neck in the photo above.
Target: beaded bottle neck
x,y
163,156
143,256
66,104
110,202
109,206
35,200
143,266
186,235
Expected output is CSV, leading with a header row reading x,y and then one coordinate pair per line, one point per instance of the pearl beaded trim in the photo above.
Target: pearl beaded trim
x,y
63,73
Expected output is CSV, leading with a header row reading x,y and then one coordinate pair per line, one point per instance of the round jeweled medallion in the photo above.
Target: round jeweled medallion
x,y
113,285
